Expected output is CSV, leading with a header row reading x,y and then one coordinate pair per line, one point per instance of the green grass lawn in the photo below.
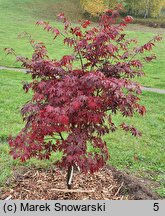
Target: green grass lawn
x,y
12,97
154,71
20,16
150,147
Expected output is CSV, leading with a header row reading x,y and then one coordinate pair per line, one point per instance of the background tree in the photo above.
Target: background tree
x,y
93,7
155,8
144,8
96,7
111,3
163,5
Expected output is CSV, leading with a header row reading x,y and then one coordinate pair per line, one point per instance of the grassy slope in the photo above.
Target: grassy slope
x,y
20,15
150,148
12,97
154,71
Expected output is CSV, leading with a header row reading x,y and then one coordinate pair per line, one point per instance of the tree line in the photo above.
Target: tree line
x,y
142,8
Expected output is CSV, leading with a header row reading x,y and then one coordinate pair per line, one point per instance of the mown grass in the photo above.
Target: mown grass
x,y
154,71
150,148
12,97
20,16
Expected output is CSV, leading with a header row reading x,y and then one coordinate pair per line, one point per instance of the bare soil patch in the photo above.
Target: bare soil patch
x,y
50,184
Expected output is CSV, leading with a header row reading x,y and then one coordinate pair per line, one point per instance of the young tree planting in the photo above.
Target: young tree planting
x,y
75,98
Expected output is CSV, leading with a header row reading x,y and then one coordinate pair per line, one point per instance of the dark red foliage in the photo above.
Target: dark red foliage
x,y
72,107
128,19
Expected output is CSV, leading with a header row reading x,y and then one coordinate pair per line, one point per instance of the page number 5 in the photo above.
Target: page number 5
x,y
156,207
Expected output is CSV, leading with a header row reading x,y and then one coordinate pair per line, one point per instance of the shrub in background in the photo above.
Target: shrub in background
x,y
93,8
144,8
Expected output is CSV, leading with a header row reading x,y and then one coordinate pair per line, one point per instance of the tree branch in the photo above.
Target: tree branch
x,y
61,136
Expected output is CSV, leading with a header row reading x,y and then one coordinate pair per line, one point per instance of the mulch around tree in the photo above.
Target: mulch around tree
x,y
50,184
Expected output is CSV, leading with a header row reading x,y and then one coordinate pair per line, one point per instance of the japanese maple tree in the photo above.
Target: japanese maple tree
x,y
73,103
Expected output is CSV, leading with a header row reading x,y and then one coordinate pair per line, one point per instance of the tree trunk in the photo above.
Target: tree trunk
x,y
70,176
146,9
